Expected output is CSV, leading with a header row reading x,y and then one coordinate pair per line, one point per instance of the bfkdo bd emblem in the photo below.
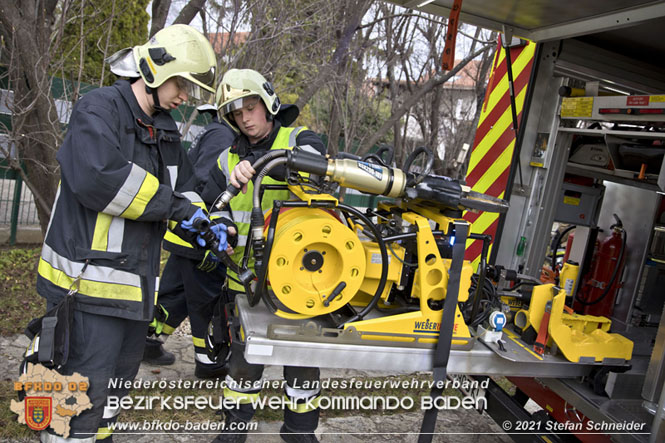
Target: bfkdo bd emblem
x,y
38,412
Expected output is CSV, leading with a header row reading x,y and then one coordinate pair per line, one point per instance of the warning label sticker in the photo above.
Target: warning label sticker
x,y
576,107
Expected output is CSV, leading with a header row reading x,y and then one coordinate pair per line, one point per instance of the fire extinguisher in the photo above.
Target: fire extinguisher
x,y
569,246
598,294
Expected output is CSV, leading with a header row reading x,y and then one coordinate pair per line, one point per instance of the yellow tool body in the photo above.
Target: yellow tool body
x,y
312,253
383,276
430,283
525,319
575,335
579,339
373,271
568,277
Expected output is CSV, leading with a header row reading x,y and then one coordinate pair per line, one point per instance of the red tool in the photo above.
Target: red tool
x,y
541,340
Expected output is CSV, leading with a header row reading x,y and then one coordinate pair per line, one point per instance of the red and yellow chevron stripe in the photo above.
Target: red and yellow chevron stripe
x,y
492,152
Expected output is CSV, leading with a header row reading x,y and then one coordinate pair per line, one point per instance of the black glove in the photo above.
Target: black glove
x,y
209,262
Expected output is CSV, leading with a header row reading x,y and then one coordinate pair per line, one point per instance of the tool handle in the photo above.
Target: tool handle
x,y
541,339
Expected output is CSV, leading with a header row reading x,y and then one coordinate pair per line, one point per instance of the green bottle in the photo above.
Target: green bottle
x,y
521,246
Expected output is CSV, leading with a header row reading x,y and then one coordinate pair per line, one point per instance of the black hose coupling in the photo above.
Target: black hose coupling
x,y
257,236
299,160
202,225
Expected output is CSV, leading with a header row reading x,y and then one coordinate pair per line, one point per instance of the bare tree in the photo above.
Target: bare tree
x,y
310,49
27,51
362,72
429,107
411,99
32,49
191,9
160,12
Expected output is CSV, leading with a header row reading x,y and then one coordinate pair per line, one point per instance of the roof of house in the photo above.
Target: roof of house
x,y
465,78
221,40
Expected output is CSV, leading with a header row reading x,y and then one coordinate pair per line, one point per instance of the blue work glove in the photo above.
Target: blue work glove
x,y
209,262
220,232
188,225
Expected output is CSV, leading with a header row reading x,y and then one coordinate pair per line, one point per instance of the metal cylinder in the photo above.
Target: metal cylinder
x,y
367,177
568,277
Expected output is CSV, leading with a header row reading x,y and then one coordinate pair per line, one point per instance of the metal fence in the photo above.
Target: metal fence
x,y
17,207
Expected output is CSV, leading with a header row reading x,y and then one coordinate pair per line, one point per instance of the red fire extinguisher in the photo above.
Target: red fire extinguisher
x,y
598,294
569,246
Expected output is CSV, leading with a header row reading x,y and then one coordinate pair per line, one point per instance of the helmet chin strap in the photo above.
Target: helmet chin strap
x,y
155,98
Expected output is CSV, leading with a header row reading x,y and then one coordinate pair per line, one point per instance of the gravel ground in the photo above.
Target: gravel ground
x,y
458,426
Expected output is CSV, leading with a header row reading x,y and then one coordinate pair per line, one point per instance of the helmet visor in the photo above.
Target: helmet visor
x,y
240,103
207,78
194,91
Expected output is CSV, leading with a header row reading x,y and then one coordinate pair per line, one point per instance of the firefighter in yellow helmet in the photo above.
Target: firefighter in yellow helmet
x,y
249,102
123,176
192,279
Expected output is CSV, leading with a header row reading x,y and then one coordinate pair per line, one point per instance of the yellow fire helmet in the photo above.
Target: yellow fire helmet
x,y
238,84
177,50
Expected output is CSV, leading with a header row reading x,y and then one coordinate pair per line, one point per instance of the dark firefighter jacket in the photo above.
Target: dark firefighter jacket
x,y
120,175
203,153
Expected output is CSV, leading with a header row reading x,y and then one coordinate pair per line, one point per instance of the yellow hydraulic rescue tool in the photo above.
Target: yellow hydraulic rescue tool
x,y
578,337
315,256
394,275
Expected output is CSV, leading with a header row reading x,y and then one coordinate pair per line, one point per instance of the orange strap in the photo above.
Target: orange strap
x,y
448,58
541,340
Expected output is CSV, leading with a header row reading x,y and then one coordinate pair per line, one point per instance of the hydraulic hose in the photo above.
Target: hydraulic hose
x,y
256,198
384,263
257,219
428,167
378,156
555,244
482,270
391,153
231,191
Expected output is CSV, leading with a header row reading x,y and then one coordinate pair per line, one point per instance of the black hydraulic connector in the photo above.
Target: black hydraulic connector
x,y
304,161
338,290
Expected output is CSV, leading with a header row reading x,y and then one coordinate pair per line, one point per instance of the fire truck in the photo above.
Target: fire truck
x,y
545,265
587,158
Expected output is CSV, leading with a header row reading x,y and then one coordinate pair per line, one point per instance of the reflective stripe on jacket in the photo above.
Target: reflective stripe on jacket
x,y
176,245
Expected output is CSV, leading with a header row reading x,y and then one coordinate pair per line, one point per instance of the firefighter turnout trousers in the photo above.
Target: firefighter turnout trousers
x,y
105,349
186,290
243,383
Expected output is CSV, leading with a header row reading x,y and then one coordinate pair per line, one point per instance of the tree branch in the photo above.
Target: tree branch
x,y
341,51
160,11
413,99
190,10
